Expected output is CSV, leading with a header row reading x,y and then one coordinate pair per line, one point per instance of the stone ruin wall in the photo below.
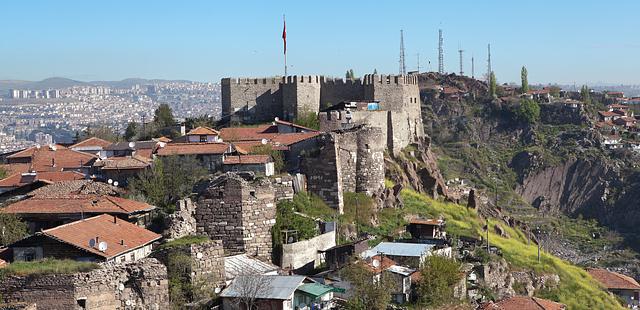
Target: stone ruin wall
x,y
207,262
139,285
324,178
239,213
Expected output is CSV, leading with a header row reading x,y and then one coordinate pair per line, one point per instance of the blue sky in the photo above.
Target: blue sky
x,y
558,41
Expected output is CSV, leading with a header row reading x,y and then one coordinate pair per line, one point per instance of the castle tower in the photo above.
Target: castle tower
x,y
251,99
370,160
230,206
300,95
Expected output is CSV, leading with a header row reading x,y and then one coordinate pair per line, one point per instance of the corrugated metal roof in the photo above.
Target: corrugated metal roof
x,y
315,289
405,271
243,264
275,287
399,249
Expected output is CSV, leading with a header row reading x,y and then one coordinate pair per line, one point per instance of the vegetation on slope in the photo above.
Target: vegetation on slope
x,y
47,266
577,289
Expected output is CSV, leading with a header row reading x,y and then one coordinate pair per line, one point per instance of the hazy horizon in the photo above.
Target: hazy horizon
x,y
564,43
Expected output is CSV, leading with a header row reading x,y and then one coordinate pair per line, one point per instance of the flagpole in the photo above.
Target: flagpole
x,y
285,44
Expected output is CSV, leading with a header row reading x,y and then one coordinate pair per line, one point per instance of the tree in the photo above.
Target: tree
x,y
102,132
12,228
525,80
267,149
528,111
492,85
163,116
168,180
131,132
3,172
439,275
308,119
200,121
585,93
370,290
248,288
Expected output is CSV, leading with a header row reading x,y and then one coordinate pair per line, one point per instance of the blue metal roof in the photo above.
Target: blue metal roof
x,y
271,286
399,249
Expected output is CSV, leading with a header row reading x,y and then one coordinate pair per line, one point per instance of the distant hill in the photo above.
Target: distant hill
x,y
60,82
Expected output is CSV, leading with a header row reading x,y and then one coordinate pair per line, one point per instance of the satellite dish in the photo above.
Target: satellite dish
x,y
38,146
263,141
115,183
375,263
217,290
132,144
276,119
110,181
199,255
92,243
162,144
102,246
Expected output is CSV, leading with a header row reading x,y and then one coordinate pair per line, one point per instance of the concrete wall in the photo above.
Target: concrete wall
x,y
238,212
140,285
303,255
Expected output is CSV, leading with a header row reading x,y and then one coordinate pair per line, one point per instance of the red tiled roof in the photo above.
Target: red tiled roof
x,y
203,131
122,163
607,113
617,106
281,122
16,168
248,133
120,235
247,159
93,141
384,261
523,303
289,139
54,158
163,139
144,153
193,148
77,204
20,179
614,280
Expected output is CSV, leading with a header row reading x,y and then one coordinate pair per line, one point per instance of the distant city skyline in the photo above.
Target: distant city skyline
x,y
559,42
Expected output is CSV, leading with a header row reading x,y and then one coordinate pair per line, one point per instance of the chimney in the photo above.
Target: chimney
x,y
53,162
97,240
115,219
121,241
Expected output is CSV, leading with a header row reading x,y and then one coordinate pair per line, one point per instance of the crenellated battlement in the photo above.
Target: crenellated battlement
x,y
372,79
274,80
341,81
309,79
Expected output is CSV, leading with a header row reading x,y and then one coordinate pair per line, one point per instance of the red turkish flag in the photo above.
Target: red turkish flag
x,y
284,35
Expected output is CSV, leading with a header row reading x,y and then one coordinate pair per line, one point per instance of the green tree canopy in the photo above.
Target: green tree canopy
x,y
163,116
170,179
278,158
131,132
528,111
368,293
525,80
102,132
12,229
492,85
585,93
439,276
308,119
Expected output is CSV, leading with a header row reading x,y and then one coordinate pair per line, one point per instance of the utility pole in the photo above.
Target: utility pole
x,y
473,68
403,67
440,52
461,69
489,70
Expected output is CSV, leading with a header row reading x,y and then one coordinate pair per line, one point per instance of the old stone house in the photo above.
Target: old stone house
x,y
211,155
102,238
258,164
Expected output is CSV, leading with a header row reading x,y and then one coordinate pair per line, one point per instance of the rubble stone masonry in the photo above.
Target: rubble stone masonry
x,y
139,285
238,212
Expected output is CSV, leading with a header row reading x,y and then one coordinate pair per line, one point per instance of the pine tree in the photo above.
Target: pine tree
x,y
525,80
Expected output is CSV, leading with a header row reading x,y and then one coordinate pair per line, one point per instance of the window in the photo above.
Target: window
x,y
82,303
203,138
253,194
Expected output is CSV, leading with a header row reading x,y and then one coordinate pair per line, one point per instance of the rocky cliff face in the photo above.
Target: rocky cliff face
x,y
574,186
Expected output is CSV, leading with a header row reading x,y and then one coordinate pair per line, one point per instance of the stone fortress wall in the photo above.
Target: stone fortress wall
x,y
238,212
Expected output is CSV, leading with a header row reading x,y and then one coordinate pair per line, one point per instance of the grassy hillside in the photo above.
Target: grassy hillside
x,y
577,289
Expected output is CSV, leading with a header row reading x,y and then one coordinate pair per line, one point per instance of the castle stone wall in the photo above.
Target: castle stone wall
x,y
336,90
139,285
300,95
370,160
261,97
324,178
238,212
207,262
